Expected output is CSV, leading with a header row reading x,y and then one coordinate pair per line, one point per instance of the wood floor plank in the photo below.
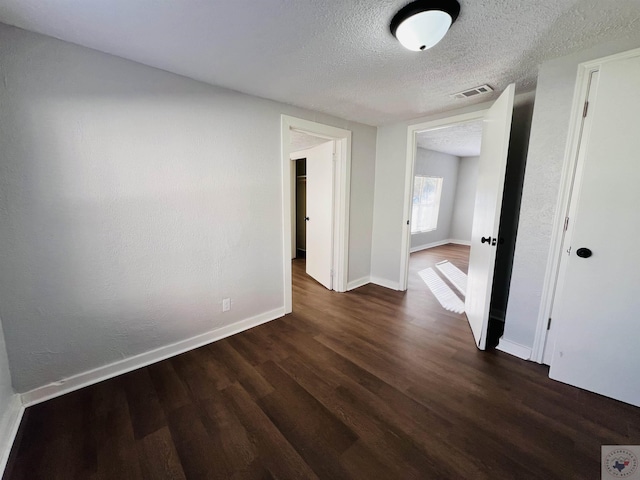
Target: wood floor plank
x,y
244,371
368,384
117,456
276,453
169,387
202,455
158,456
393,449
316,434
224,425
146,412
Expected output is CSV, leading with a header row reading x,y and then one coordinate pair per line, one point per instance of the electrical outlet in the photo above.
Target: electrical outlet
x,y
226,304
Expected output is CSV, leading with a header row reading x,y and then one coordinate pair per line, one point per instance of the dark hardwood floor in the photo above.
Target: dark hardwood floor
x,y
371,384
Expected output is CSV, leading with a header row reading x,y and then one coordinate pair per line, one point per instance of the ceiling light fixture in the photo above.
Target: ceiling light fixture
x,y
423,23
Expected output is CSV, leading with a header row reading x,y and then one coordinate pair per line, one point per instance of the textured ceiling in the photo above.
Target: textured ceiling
x,y
302,141
334,56
462,140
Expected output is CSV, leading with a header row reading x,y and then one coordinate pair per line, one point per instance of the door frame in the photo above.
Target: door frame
x,y
563,203
412,132
341,204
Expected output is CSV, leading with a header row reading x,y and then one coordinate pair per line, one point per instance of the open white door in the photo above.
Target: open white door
x,y
496,130
320,213
598,297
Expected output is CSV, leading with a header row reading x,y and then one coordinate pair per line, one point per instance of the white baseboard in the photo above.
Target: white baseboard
x,y
383,282
358,283
515,349
99,374
438,244
9,424
428,245
460,242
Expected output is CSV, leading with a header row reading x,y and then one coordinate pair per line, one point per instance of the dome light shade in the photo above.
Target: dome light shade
x,y
423,23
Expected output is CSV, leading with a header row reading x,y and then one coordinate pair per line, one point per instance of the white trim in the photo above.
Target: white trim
x,y
90,377
564,195
412,130
342,154
383,282
439,243
515,349
426,246
9,424
353,284
466,243
342,186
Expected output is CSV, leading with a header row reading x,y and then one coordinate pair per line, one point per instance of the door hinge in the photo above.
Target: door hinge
x,y
331,273
586,109
334,157
566,223
549,324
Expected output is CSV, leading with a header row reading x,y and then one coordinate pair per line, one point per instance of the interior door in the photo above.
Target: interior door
x,y
319,218
597,313
496,130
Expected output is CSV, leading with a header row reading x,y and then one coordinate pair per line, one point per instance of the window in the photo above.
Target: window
x,y
426,203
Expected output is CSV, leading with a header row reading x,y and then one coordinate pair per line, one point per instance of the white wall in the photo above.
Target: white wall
x,y
436,164
549,132
134,200
465,200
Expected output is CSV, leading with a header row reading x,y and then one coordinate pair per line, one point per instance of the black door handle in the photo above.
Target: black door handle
x,y
486,240
306,219
584,252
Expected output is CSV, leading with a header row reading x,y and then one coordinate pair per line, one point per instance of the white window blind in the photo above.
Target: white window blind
x,y
426,203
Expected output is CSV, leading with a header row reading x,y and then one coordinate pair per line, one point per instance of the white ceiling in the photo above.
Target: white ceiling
x,y
334,56
462,140
302,141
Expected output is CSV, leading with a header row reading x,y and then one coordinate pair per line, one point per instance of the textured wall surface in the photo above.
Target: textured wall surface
x,y
465,200
436,164
134,200
549,132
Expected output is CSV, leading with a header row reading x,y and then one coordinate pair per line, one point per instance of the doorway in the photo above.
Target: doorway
x,y
425,137
336,263
444,187
300,204
485,237
312,215
592,332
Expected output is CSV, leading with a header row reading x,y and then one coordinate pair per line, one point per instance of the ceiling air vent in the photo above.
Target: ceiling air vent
x,y
472,92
